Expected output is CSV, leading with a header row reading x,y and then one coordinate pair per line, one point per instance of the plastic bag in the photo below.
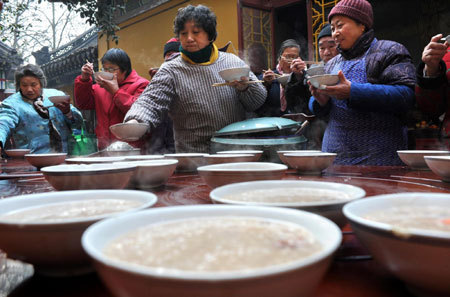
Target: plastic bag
x,y
82,143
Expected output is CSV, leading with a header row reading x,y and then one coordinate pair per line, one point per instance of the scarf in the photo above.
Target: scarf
x,y
359,47
205,56
55,137
283,102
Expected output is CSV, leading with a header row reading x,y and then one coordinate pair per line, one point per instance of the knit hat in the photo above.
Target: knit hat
x,y
358,10
173,45
326,31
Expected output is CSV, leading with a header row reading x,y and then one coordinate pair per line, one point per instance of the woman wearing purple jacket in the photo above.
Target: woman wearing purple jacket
x,y
375,90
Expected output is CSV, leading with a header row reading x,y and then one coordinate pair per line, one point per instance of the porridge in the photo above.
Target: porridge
x,y
215,244
291,195
420,217
70,210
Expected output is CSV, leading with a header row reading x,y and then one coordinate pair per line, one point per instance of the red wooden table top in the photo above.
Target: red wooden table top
x,y
348,276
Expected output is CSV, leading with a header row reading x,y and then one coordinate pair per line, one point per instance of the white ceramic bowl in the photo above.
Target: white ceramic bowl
x,y
331,209
318,70
257,153
309,163
415,158
283,159
298,278
17,153
129,131
440,165
234,73
151,173
42,160
54,248
92,176
188,162
418,257
320,81
229,158
104,75
283,79
228,173
143,157
59,99
94,160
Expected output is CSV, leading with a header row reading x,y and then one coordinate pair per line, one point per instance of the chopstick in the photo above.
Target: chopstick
x,y
11,176
276,74
229,83
312,62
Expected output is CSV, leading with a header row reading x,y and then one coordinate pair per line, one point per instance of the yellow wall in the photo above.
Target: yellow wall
x,y
144,41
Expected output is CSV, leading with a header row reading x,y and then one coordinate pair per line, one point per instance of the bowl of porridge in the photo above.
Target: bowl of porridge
x,y
323,198
409,234
233,74
229,158
151,173
284,160
129,131
309,163
415,158
17,153
45,229
89,176
188,162
227,173
42,160
200,250
257,153
440,165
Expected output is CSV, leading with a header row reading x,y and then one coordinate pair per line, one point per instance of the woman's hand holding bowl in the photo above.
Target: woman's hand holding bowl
x,y
87,71
268,77
298,66
341,90
109,85
240,85
64,107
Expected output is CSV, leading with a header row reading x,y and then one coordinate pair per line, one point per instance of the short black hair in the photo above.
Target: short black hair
x,y
120,58
287,44
29,70
201,15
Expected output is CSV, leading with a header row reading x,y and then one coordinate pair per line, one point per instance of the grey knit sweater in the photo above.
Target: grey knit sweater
x,y
197,109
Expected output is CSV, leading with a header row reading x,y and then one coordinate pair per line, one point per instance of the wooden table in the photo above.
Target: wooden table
x,y
349,276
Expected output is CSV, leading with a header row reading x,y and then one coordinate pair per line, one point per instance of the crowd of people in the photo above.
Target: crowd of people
x,y
361,118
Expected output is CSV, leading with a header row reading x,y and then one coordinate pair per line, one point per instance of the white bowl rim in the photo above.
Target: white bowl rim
x,y
398,197
143,157
240,151
229,155
304,155
75,195
186,155
358,192
149,163
70,169
438,158
130,124
46,155
422,152
92,160
298,151
270,167
211,211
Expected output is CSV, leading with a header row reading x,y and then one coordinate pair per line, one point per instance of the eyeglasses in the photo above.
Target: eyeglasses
x,y
110,70
289,59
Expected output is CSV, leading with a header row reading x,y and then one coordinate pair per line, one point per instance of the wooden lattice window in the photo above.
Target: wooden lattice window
x,y
320,10
257,37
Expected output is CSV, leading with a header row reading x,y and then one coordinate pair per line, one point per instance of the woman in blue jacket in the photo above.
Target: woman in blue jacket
x,y
30,118
375,90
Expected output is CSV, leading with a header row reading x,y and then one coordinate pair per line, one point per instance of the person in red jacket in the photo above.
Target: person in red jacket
x,y
433,89
111,98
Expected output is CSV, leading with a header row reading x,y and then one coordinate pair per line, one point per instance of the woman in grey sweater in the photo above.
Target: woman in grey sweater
x,y
183,86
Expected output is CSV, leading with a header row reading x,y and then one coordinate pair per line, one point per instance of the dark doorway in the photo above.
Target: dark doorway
x,y
290,22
